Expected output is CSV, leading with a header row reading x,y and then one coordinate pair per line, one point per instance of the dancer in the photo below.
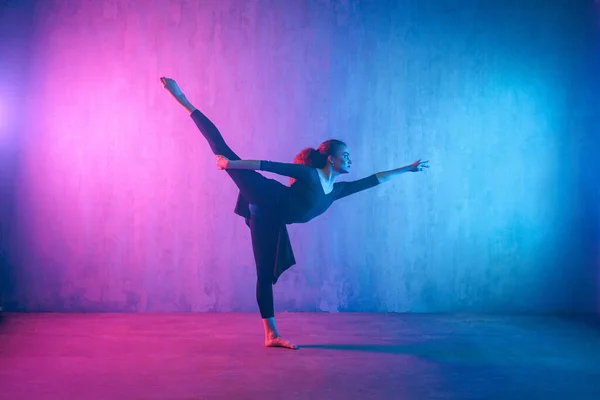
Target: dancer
x,y
268,206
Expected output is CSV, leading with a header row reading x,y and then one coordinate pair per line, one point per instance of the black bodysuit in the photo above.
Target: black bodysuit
x,y
269,206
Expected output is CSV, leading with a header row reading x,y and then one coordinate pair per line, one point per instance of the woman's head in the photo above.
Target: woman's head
x,y
332,152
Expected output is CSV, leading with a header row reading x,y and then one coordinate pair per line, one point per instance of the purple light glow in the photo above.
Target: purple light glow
x,y
3,119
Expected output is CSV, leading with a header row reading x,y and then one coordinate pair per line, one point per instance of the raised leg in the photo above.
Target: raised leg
x,y
212,135
209,130
254,187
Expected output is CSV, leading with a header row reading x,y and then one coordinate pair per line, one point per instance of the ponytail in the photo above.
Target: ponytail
x,y
311,157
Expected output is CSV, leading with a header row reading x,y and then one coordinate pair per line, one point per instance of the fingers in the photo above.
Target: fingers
x,y
419,165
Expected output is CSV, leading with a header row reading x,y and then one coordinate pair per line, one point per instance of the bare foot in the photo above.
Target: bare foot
x,y
171,86
278,341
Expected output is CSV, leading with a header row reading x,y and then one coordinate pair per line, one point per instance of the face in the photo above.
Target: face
x,y
341,161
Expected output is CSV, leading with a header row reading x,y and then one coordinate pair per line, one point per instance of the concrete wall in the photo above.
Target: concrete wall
x,y
120,207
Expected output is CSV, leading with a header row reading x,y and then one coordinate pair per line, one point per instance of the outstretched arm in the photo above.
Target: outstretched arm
x,y
297,171
343,189
385,176
414,167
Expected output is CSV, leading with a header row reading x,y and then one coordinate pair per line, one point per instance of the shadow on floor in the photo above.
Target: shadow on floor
x,y
438,351
373,348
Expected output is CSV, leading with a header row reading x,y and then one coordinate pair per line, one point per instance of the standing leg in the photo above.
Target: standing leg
x,y
255,188
265,232
260,191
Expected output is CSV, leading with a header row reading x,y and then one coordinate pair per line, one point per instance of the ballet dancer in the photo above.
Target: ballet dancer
x,y
268,206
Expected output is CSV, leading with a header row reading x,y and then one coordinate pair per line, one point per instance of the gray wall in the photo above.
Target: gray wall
x,y
120,207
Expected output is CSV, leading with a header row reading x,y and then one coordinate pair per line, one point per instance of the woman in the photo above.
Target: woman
x,y
268,206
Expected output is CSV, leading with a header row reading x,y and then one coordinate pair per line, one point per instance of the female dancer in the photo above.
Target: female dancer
x,y
268,206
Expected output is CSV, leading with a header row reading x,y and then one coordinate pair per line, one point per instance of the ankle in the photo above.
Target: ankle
x,y
270,328
271,335
185,103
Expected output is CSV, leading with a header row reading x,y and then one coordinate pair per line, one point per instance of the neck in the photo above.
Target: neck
x,y
329,174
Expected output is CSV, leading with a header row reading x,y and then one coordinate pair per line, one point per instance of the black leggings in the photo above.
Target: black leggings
x,y
258,191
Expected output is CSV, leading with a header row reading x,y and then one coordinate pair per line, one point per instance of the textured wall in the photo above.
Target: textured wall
x,y
120,207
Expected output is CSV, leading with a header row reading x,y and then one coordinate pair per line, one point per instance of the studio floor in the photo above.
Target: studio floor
x,y
342,356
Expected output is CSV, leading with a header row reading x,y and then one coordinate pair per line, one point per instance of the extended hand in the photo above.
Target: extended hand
x,y
417,166
222,162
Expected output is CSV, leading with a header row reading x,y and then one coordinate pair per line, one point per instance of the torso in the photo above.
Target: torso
x,y
309,199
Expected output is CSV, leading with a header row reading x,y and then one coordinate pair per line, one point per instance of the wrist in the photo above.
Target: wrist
x,y
231,164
